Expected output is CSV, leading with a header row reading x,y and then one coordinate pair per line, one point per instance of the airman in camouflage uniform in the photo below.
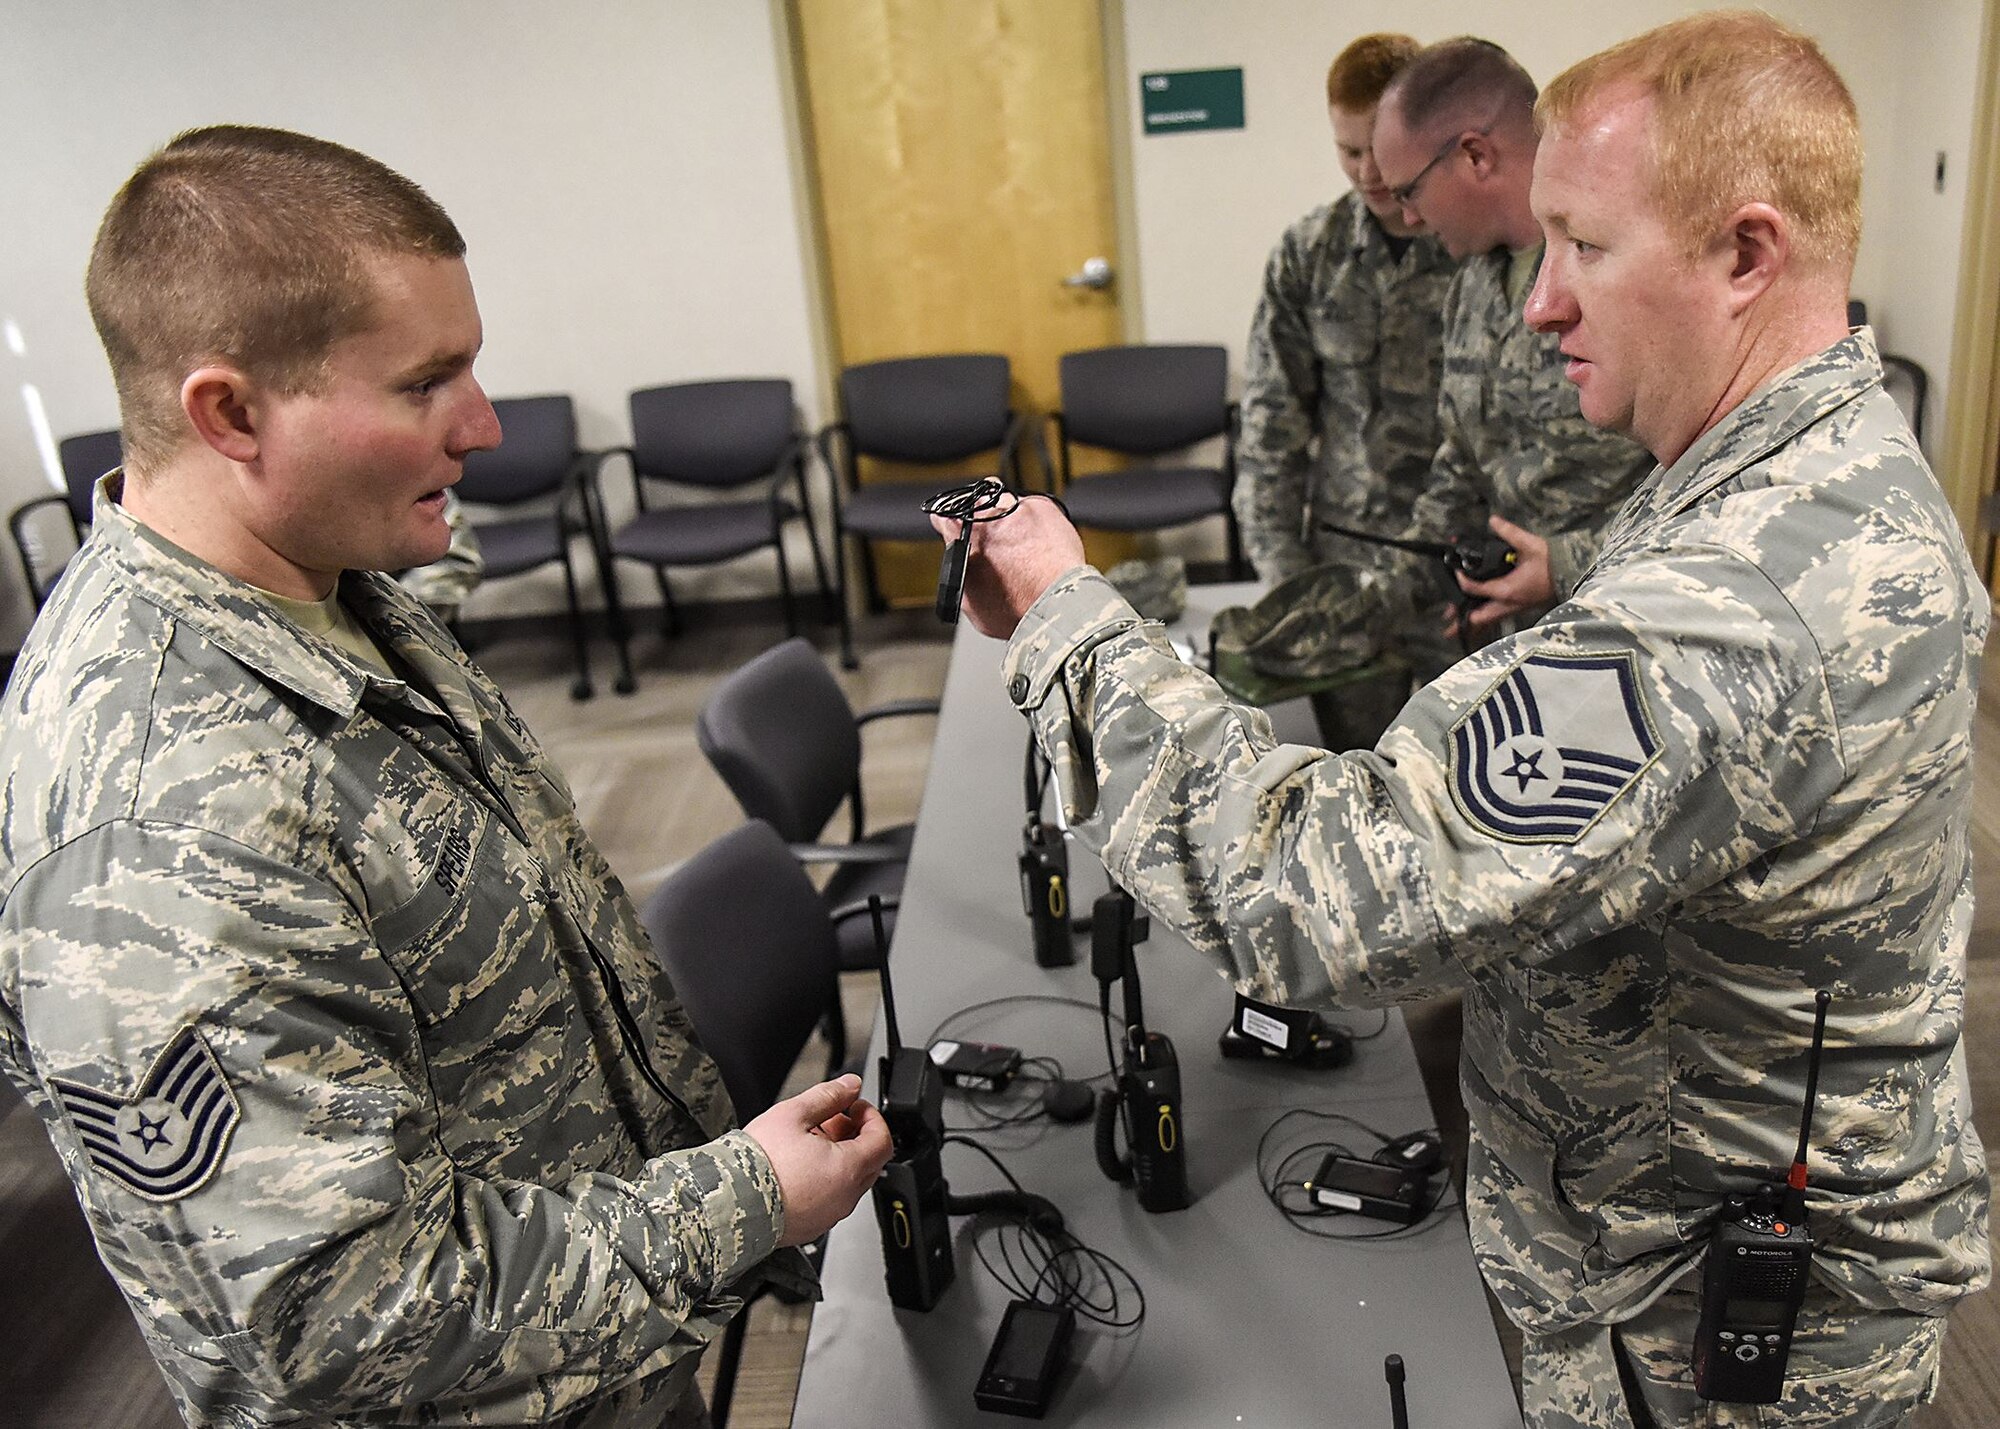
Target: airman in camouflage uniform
x,y
1731,771
1514,442
1340,390
377,1103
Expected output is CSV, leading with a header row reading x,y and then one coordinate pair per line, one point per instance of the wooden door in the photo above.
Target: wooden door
x,y
962,156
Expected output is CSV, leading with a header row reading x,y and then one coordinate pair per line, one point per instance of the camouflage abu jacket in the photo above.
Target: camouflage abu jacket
x,y
1734,769
379,1107
1339,389
1513,439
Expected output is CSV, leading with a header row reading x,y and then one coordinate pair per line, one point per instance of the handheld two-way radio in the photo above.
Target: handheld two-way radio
x,y
1044,873
1754,1275
910,1193
913,1203
1482,557
1148,1096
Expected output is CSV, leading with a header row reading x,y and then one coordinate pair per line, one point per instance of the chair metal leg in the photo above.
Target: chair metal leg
x,y
729,1356
785,584
819,561
614,612
871,584
668,610
582,689
847,656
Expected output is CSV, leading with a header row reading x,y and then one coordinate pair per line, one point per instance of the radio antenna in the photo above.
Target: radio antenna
x,y
882,958
1795,1183
1399,1409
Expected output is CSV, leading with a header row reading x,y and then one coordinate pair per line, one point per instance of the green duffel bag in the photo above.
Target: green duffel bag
x,y
1322,629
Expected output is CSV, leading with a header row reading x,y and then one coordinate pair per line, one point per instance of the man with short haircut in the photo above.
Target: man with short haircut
x,y
377,1102
1341,377
1455,145
1341,371
1731,771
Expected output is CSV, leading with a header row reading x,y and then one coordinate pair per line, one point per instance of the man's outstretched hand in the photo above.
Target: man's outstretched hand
x,y
827,1146
1012,561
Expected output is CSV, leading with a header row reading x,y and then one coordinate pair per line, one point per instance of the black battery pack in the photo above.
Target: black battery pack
x,y
1028,1355
1368,1188
976,1066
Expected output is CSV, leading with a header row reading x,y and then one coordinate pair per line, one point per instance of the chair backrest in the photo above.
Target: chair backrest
x,y
780,732
1906,381
537,446
85,457
713,433
927,409
1145,400
749,946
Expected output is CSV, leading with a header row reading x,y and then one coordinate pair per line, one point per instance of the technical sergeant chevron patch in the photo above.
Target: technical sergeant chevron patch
x,y
166,1141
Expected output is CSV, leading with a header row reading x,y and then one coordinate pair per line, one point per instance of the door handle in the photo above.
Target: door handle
x,y
1096,273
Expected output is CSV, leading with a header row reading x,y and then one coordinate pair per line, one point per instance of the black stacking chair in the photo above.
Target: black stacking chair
x,y
749,948
720,436
539,463
782,735
83,459
921,411
1147,402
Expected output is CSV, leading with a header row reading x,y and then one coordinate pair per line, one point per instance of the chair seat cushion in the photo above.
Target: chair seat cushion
x,y
699,535
893,510
853,882
1146,500
510,547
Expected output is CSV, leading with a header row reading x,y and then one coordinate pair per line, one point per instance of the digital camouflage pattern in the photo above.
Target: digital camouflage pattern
x,y
1513,441
1849,1368
1340,383
482,1174
1321,626
1781,641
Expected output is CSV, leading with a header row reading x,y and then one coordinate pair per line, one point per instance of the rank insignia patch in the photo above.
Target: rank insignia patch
x,y
1551,747
165,1141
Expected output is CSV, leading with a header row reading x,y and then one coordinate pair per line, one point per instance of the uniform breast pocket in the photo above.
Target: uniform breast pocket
x,y
473,945
475,949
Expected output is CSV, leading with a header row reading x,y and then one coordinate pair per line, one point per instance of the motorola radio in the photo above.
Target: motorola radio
x,y
913,1203
1044,872
1754,1275
1147,1101
910,1193
1482,556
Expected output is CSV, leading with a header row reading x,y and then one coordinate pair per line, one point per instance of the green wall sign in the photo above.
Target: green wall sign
x,y
1177,101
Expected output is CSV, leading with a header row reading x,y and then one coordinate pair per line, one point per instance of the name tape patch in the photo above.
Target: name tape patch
x,y
1552,746
167,1139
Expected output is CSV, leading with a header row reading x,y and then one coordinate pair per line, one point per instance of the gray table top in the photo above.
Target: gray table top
x,y
1249,1321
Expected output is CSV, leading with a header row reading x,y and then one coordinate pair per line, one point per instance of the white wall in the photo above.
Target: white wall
x,y
619,172
1210,205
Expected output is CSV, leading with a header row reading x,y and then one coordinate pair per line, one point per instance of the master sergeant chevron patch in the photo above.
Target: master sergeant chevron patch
x,y
1552,746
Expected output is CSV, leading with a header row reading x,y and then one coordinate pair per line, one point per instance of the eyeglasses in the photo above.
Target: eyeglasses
x,y
1403,193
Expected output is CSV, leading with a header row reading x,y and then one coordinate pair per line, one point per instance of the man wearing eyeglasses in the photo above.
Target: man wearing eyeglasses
x,y
1455,143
